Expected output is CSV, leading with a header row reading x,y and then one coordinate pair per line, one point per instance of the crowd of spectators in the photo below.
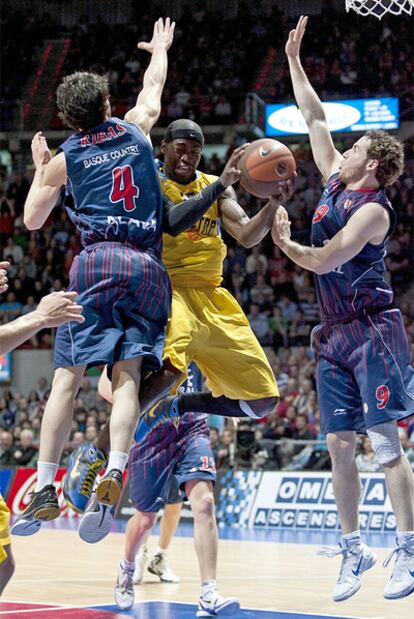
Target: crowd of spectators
x,y
217,59
278,297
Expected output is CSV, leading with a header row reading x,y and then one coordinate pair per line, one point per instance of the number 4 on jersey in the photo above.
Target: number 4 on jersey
x,y
123,187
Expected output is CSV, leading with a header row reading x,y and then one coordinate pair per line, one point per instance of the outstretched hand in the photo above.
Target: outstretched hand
x,y
231,172
162,36
294,41
281,226
60,307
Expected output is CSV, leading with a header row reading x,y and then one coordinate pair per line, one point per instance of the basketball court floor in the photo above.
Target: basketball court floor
x,y
276,575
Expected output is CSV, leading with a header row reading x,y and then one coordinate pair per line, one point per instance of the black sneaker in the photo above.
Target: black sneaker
x,y
109,488
43,506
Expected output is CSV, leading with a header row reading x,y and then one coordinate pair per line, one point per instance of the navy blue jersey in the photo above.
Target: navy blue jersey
x,y
114,186
358,284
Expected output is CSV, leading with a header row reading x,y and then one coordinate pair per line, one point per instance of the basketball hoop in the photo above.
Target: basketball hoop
x,y
379,8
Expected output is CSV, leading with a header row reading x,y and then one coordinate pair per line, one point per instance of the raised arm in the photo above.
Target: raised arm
x,y
147,109
326,157
48,179
370,224
249,232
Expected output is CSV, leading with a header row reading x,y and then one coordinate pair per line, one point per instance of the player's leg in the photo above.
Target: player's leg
x,y
195,471
126,376
159,564
137,531
341,418
56,426
386,380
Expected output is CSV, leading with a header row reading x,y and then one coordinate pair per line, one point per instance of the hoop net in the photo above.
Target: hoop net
x,y
379,8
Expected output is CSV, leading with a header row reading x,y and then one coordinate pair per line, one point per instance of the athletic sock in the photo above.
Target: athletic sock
x,y
46,473
207,586
160,551
404,536
206,403
352,539
127,566
117,460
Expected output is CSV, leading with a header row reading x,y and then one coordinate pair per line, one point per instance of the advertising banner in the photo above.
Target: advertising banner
x,y
347,116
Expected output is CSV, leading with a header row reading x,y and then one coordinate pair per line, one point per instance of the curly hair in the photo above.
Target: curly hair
x,y
390,155
82,99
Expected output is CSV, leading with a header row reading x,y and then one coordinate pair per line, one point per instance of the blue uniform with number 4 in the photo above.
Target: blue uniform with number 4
x,y
114,199
364,376
169,456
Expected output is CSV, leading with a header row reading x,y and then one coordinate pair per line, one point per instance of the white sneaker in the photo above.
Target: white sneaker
x,y
356,559
212,604
160,567
401,582
124,589
140,563
96,522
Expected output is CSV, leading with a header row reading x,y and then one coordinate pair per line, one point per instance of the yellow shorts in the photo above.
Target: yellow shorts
x,y
208,326
4,528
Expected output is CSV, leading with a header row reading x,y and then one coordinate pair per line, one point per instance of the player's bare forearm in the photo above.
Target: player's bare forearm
x,y
15,333
306,98
253,230
309,258
36,209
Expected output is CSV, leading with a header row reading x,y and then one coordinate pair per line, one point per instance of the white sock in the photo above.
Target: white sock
x,y
46,473
128,565
117,460
404,536
352,539
207,586
160,551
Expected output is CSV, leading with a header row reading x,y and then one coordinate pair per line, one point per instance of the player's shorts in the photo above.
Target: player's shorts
x,y
126,299
4,529
364,376
165,461
208,326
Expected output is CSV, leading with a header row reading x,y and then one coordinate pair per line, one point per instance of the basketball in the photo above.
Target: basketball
x,y
264,164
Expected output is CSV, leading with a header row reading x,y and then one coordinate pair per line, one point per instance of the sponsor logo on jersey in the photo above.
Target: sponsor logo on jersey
x,y
320,213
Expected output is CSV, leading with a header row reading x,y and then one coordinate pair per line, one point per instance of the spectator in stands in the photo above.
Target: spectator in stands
x,y
24,453
6,442
366,461
10,309
226,449
260,324
214,442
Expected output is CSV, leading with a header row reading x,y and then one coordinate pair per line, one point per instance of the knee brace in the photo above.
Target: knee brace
x,y
386,442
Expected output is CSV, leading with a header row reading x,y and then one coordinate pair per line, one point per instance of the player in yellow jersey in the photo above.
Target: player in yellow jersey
x,y
6,557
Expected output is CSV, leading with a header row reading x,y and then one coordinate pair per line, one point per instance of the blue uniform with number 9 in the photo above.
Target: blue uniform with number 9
x,y
364,376
114,199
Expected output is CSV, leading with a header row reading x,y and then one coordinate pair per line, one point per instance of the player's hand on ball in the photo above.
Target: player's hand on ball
x,y
3,276
281,226
162,36
59,307
231,172
40,151
294,41
285,190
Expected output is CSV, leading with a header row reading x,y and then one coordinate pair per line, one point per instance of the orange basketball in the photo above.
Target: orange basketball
x,y
265,163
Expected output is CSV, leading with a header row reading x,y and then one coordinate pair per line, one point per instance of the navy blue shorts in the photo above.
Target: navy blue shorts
x,y
126,299
364,376
165,461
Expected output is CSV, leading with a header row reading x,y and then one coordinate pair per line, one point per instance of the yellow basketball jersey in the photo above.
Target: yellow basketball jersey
x,y
194,258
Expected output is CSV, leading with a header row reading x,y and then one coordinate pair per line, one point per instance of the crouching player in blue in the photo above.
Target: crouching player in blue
x,y
170,458
364,377
114,198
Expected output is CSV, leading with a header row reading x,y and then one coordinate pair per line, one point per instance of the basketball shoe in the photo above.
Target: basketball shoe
x,y
356,559
84,465
166,410
109,488
43,506
140,562
212,604
160,567
124,589
96,522
401,582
